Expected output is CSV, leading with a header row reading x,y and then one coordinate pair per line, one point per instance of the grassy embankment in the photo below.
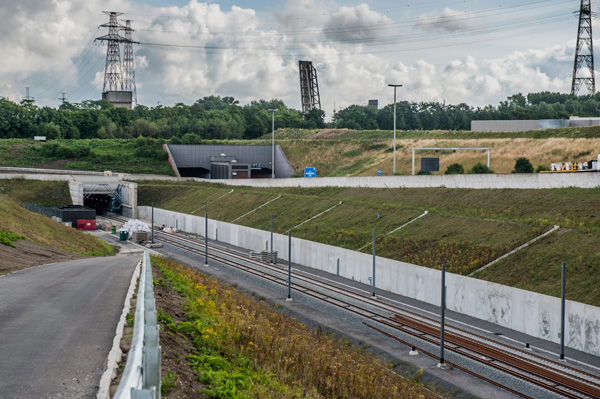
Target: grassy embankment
x,y
332,152
246,349
465,229
354,153
18,223
96,155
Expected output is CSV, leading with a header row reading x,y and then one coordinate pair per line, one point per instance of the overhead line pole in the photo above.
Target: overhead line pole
x,y
272,110
394,86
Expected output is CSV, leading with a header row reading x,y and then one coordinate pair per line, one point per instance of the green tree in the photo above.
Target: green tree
x,y
49,129
314,119
523,166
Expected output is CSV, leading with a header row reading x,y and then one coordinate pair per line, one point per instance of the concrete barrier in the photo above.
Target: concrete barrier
x,y
524,311
481,181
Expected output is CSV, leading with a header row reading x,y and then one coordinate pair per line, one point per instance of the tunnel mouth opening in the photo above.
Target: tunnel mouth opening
x,y
103,203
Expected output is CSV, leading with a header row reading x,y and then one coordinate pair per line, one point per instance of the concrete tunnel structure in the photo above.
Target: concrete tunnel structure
x,y
108,195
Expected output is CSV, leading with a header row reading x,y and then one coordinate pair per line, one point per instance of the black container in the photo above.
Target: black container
x,y
73,213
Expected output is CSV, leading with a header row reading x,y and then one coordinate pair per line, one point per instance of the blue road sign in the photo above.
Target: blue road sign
x,y
310,172
378,172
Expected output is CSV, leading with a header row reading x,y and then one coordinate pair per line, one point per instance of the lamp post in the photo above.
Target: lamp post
x,y
272,110
394,86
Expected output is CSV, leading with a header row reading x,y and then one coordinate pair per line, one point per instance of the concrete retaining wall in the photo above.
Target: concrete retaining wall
x,y
483,181
534,314
491,181
504,125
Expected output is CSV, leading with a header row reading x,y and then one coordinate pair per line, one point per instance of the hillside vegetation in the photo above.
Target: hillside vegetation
x,y
243,348
336,152
20,228
119,155
465,228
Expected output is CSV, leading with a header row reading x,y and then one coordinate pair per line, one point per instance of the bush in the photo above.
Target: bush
x,y
480,168
455,169
541,168
81,151
63,152
48,150
523,166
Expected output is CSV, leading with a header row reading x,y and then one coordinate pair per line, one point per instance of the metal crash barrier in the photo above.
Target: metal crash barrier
x,y
141,377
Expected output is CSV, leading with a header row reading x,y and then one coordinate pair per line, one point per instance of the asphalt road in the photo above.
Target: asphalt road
x,y
57,323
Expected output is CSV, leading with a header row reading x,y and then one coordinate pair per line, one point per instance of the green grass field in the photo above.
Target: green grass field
x,y
465,228
95,155
18,221
334,152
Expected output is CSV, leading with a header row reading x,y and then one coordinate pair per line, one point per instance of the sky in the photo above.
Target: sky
x,y
477,52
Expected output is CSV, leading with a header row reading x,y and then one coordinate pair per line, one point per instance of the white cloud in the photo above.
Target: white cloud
x,y
228,56
358,24
303,14
480,82
448,20
41,41
227,53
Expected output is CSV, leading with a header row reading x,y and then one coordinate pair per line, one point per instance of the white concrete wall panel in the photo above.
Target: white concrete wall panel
x,y
504,125
481,181
491,181
528,312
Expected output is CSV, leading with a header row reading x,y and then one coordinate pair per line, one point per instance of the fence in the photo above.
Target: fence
x,y
49,211
141,377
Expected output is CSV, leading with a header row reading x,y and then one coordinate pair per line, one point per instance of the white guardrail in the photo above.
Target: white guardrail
x,y
141,377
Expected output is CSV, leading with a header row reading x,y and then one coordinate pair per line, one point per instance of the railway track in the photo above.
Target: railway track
x,y
552,376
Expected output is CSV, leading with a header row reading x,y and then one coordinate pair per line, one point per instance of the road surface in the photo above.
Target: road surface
x,y
57,324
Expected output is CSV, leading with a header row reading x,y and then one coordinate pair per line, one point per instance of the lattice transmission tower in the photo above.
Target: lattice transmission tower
x,y
128,62
309,86
113,76
584,52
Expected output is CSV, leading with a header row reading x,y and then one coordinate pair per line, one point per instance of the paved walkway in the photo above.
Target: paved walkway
x,y
57,324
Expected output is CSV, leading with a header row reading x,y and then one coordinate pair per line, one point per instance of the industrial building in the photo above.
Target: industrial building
x,y
228,161
525,125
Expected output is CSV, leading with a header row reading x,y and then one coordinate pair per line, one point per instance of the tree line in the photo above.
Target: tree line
x,y
215,117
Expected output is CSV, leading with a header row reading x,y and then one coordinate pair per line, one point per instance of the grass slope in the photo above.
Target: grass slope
x,y
96,155
40,229
246,349
44,193
334,152
465,228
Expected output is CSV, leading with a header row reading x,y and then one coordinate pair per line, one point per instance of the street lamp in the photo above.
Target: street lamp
x,y
394,86
273,145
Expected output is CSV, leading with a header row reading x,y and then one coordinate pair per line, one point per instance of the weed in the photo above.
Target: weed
x,y
246,349
159,282
168,382
7,238
164,318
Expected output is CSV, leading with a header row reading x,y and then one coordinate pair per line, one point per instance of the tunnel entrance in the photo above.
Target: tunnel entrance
x,y
104,197
103,202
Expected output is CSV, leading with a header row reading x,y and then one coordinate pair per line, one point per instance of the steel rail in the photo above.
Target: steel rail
x,y
516,352
489,380
494,355
524,374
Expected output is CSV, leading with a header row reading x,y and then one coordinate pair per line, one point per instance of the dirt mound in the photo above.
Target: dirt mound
x,y
28,254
